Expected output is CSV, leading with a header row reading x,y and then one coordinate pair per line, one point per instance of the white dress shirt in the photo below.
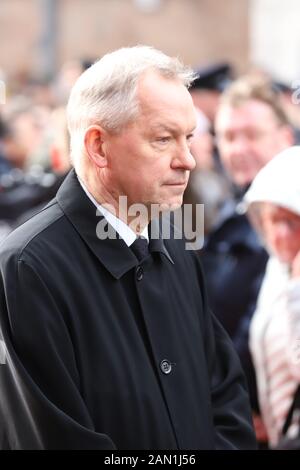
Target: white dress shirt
x,y
125,232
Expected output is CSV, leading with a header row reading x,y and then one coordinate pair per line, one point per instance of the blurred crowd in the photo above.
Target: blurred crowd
x,y
243,123
251,121
34,143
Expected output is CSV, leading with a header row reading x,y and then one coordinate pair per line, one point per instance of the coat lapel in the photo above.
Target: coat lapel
x,y
113,253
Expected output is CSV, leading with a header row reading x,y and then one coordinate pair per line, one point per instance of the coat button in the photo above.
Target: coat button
x,y
139,273
166,366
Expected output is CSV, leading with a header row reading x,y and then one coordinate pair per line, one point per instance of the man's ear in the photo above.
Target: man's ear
x,y
93,143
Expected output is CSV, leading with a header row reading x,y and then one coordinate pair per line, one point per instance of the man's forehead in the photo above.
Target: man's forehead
x,y
172,126
246,113
155,90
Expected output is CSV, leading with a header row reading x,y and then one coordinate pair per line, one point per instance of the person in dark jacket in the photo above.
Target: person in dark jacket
x,y
251,127
109,342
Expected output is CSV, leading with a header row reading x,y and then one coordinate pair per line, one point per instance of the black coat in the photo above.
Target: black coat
x,y
86,331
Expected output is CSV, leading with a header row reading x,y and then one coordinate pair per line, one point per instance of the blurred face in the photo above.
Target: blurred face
x,y
248,137
150,159
281,229
27,137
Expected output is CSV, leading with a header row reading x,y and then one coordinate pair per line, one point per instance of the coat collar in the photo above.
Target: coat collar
x,y
114,254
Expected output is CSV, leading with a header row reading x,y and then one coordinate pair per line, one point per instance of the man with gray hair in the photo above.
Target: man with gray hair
x,y
109,342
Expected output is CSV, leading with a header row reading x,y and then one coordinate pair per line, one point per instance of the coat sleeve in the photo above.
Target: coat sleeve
x,y
40,397
229,395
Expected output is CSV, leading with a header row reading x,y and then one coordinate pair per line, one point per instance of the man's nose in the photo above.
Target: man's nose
x,y
240,146
184,159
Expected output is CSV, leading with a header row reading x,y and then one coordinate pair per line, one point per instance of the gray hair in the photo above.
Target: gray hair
x,y
105,93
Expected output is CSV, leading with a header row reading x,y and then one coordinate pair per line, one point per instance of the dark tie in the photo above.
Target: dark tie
x,y
140,248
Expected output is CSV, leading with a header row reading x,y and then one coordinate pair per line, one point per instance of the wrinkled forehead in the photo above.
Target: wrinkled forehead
x,y
165,101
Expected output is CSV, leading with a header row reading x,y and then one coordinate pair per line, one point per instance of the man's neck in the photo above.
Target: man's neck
x,y
119,207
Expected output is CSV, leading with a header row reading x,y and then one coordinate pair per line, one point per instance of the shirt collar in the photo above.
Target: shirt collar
x,y
125,232
113,253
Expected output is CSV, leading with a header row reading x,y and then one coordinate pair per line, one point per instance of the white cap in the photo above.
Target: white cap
x,y
278,182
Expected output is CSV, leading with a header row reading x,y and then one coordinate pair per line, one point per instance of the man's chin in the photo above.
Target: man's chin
x,y
171,205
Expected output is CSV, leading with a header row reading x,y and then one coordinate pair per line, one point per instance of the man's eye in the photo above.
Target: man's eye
x,y
189,137
164,140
